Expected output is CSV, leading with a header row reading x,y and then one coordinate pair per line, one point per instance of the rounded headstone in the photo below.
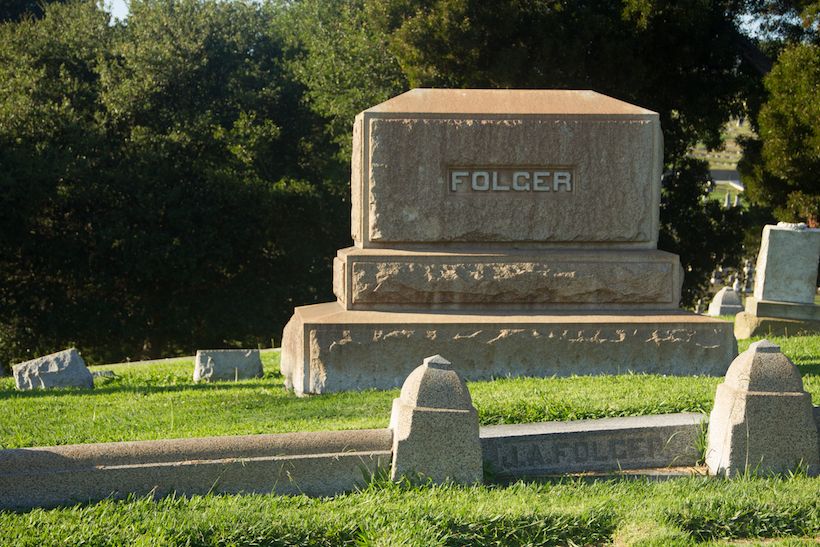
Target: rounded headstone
x,y
435,384
764,368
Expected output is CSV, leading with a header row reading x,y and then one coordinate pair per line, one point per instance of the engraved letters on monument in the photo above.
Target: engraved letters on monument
x,y
466,180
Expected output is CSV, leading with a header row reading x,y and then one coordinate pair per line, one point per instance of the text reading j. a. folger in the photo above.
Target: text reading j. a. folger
x,y
483,180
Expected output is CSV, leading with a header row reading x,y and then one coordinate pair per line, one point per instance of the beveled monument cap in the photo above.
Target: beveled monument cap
x,y
508,102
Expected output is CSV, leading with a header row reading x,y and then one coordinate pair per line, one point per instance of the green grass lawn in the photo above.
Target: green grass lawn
x,y
158,400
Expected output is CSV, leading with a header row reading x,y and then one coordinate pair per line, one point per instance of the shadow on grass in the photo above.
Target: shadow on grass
x,y
112,388
807,369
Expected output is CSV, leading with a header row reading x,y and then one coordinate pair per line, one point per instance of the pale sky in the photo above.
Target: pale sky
x,y
118,8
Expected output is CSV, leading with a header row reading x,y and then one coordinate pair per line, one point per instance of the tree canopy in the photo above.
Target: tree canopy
x,y
781,166
163,185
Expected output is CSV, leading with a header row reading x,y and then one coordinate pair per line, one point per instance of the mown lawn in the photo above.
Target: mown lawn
x,y
158,400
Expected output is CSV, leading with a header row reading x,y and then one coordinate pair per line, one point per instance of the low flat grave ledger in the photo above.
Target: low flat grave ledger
x,y
516,229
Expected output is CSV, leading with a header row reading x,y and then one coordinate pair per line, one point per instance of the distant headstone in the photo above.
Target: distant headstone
x,y
785,284
787,264
762,420
227,364
62,369
726,302
435,427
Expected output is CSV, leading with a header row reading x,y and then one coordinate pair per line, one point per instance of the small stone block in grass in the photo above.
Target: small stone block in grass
x,y
227,365
62,369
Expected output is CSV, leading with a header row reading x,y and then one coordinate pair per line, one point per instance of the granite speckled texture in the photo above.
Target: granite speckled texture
x,y
62,369
406,148
435,427
387,279
317,464
515,230
762,420
326,348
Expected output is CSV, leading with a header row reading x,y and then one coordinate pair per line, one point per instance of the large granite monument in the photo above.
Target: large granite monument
x,y
515,230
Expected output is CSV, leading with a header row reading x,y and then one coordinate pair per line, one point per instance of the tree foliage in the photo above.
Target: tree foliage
x,y
163,185
781,165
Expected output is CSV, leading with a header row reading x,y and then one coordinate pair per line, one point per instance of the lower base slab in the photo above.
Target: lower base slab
x,y
748,325
327,349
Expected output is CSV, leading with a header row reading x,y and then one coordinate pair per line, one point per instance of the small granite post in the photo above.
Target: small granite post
x,y
762,420
435,427
62,369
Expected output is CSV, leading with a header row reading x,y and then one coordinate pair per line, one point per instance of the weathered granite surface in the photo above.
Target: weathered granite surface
x,y
227,364
748,325
411,153
782,310
385,279
787,264
62,369
609,444
317,464
514,229
435,427
762,420
326,348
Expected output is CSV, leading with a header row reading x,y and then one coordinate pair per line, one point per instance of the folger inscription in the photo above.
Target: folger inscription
x,y
485,180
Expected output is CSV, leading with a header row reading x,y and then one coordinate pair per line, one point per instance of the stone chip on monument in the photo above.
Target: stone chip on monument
x,y
516,229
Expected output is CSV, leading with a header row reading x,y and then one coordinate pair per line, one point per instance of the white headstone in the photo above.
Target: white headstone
x,y
725,302
787,264
227,364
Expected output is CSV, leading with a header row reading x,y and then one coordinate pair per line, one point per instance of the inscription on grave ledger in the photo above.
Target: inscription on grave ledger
x,y
485,180
542,455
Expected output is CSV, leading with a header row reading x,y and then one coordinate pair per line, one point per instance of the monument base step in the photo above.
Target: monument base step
x,y
326,348
748,325
484,279
782,310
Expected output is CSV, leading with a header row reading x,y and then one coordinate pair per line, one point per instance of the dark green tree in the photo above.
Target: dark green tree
x,y
163,185
780,165
15,10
